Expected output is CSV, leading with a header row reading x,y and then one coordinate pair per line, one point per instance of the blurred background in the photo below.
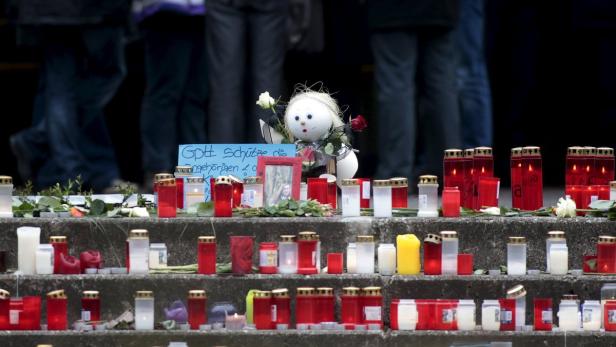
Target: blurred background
x,y
550,64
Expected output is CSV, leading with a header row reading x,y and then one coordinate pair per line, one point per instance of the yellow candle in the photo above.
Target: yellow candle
x,y
408,254
249,297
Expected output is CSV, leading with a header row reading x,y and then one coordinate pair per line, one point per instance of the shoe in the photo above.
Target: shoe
x,y
21,151
117,185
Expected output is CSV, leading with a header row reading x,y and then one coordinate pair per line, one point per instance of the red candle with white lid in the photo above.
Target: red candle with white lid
x,y
197,308
399,192
57,310
516,177
532,178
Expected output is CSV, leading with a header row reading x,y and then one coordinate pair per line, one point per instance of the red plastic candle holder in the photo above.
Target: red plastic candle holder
x,y
334,263
426,311
206,255
364,192
304,306
28,315
238,190
197,308
212,191
603,191
241,254
578,167
609,315
532,179
281,303
350,307
516,177
179,192
90,260
167,198
69,265
332,194
317,189
451,202
324,304
262,310
5,304
307,253
371,302
604,166
60,246
488,192
91,306
223,205
467,191
507,307
399,192
445,315
590,264
57,310
465,264
483,166
432,255
543,314
606,255
268,257
453,169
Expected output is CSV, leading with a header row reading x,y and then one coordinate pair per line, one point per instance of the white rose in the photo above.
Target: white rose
x,y
139,212
565,208
266,101
495,211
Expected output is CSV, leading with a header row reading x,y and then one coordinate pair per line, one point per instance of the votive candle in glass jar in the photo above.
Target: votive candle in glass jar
x,y
569,316
612,190
554,237
407,254
453,168
465,315
181,173
351,258
603,191
543,315
365,254
451,202
303,191
324,304
403,314
488,190
262,310
307,253
483,166
590,153
304,306
575,167
604,166
268,257
157,178
490,315
432,255
371,302
381,202
508,314
427,196
44,259
364,190
332,192
197,308
138,251
6,196
608,292
57,310
399,192
516,177
253,192
144,310
445,316
516,255
241,254
60,246
287,254
518,293
206,249
350,198
334,263
467,192
194,191
449,252
167,198
532,178
237,186
591,315
350,308
559,259
606,254
281,306
5,304
387,259
426,312
317,189
465,264
90,306
223,205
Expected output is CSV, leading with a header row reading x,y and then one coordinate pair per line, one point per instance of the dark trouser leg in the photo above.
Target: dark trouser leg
x,y
395,57
225,50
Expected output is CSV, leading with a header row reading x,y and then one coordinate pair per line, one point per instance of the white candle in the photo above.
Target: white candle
x,y
287,255
407,314
490,315
466,315
381,198
303,191
144,310
427,196
365,254
158,255
28,240
350,198
591,315
516,256
139,251
351,258
554,237
6,197
44,259
559,259
449,255
520,312
568,315
387,259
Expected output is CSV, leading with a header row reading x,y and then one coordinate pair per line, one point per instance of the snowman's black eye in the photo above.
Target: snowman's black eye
x,y
309,116
296,117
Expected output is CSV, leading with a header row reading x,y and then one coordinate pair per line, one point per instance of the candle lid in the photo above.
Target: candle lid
x,y
531,150
222,180
325,291
371,291
350,182
556,234
590,150
167,182
253,180
428,179
280,293
4,294
235,179
90,294
207,239
287,238
607,239
483,151
516,292
575,150
307,235
57,239
183,169
517,239
449,234
196,294
365,238
138,234
433,238
605,152
350,291
6,180
469,153
162,175
399,182
56,294
144,294
454,153
570,297
195,180
381,183
516,151
302,291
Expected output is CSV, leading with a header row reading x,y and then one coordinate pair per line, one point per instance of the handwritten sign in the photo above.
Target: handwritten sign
x,y
239,160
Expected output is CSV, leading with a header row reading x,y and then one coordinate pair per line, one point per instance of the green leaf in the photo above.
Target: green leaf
x,y
299,212
480,272
97,208
503,269
602,205
329,149
205,209
592,264
293,205
114,213
50,202
283,204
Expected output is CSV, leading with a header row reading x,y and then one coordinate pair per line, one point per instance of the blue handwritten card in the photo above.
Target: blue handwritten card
x,y
239,160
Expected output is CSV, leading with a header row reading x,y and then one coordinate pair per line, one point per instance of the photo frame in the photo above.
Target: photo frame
x,y
281,178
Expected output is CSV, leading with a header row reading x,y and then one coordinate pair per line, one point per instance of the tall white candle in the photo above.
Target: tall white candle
x,y
407,314
350,198
44,259
387,259
516,256
591,315
490,315
466,315
569,315
6,197
144,310
365,254
351,258
449,255
559,259
28,240
381,198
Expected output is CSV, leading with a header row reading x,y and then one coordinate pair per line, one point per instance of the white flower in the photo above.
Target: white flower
x,y
495,211
266,101
565,208
139,212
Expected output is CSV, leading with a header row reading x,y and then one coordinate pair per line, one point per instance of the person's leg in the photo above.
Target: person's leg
x,y
439,118
473,85
225,50
395,60
268,38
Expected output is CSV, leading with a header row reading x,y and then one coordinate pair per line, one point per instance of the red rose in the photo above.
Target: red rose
x,y
358,123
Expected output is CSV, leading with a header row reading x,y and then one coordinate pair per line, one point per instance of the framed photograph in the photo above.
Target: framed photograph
x,y
281,178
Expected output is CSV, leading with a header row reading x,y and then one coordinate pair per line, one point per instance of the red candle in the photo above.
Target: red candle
x,y
603,191
334,263
281,306
304,306
575,193
532,178
262,310
446,314
29,317
488,192
238,189
516,177
332,193
467,191
90,306
60,246
197,308
350,308
241,254
589,194
483,166
393,314
543,314
224,197
371,302
451,202
590,264
90,260
507,307
5,303
317,189
212,191
167,198
324,304
606,254
432,255
465,264
181,172
206,249
364,192
56,310
604,166
453,168
399,192
69,265
426,311
609,315
307,253
590,154
158,177
576,163
268,257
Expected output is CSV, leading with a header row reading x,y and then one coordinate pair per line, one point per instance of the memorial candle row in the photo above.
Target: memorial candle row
x,y
589,174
